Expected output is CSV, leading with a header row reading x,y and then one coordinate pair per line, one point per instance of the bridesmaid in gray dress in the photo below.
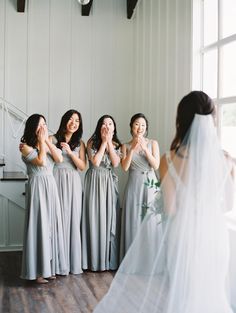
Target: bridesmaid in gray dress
x,y
100,217
68,138
43,251
141,157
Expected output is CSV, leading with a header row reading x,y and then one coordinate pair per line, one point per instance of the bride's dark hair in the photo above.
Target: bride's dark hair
x,y
196,102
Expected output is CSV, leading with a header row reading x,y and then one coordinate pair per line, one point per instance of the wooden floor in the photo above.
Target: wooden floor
x,y
71,294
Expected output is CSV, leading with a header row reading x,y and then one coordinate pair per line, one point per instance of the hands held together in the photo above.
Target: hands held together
x,y
139,143
42,134
106,134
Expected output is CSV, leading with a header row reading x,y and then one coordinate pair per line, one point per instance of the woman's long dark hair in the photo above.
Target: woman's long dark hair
x,y
134,118
96,136
75,138
196,102
30,137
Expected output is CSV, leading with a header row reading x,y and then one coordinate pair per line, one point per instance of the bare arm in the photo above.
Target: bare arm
x,y
128,154
231,163
96,159
168,188
114,157
154,156
40,159
53,150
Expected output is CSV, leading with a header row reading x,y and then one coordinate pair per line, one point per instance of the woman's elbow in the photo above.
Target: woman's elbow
x,y
41,163
58,159
96,163
156,165
82,167
116,164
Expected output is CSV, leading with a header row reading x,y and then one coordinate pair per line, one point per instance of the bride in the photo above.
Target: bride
x,y
185,271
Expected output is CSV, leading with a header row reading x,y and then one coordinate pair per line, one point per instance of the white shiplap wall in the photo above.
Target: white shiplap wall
x,y
53,59
162,62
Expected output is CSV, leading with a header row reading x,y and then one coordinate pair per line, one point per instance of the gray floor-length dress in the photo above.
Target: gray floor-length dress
x,y
43,251
70,194
136,197
100,218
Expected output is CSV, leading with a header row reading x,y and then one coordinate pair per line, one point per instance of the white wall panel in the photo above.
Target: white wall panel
x,y
60,60
11,225
38,65
53,59
162,62
81,65
16,216
56,59
15,56
2,222
2,46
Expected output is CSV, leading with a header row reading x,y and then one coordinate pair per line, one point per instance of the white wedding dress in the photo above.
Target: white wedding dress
x,y
186,270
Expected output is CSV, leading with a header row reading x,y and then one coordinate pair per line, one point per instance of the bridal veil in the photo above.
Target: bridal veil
x,y
182,267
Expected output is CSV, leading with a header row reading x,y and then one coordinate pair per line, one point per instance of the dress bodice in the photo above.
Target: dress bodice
x,y
139,161
34,170
67,161
179,184
172,171
106,161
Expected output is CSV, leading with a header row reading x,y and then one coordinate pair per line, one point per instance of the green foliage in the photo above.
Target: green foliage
x,y
156,205
153,184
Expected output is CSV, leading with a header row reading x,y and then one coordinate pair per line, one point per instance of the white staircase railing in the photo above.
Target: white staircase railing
x,y
11,129
8,112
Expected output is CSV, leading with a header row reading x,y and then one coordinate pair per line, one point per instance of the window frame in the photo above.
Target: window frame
x,y
199,50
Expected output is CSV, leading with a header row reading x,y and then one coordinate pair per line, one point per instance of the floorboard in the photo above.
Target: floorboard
x,y
70,294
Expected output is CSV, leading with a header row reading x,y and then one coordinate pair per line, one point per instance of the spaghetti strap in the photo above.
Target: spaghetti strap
x,y
172,169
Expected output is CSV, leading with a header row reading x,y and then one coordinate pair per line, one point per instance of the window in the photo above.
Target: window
x,y
214,63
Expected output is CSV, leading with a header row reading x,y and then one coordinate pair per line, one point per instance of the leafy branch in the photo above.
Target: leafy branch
x,y
156,205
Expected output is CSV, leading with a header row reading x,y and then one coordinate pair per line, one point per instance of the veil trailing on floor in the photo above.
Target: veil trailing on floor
x,y
184,271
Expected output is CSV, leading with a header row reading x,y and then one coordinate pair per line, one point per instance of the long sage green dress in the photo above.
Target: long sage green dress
x,y
43,249
137,197
100,217
70,194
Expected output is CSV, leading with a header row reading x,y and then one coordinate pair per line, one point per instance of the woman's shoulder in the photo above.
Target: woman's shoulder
x,y
152,141
116,145
81,143
53,139
126,145
167,157
165,161
25,149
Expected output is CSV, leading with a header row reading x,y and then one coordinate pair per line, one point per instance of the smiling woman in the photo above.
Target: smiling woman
x,y
68,139
141,157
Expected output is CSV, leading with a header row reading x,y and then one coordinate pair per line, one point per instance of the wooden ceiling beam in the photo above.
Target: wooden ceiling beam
x,y
85,9
131,4
20,5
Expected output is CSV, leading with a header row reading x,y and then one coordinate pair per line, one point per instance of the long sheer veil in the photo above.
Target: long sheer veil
x,y
184,271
